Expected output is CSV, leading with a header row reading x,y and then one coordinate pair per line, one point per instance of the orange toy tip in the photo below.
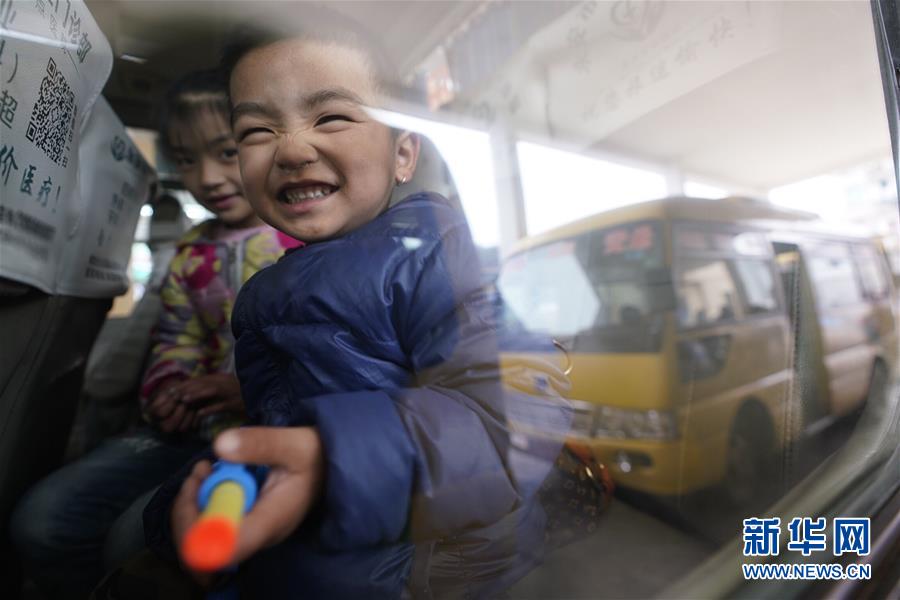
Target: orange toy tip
x,y
210,544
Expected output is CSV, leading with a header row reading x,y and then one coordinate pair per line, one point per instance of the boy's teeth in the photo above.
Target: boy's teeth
x,y
306,193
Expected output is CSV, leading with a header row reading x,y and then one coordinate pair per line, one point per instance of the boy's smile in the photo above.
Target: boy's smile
x,y
315,164
305,194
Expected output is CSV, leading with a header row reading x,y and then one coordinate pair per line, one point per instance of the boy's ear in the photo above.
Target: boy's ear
x,y
406,149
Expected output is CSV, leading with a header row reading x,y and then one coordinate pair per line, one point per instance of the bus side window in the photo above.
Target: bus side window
x,y
872,272
707,292
833,275
758,284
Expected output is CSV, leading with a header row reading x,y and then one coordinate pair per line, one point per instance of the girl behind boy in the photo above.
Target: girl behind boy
x,y
371,357
71,524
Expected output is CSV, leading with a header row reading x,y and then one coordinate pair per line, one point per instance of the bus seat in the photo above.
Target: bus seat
x,y
432,173
117,362
13,289
46,342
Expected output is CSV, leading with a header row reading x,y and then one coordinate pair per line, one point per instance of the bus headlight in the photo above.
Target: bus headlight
x,y
583,418
590,420
638,424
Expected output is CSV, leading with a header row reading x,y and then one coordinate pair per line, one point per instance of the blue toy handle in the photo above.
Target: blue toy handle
x,y
233,472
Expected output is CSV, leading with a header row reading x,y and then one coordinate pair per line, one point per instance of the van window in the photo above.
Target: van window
x,y
706,292
833,276
549,292
599,291
871,272
701,239
758,285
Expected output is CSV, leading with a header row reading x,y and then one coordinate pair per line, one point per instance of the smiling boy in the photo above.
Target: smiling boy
x,y
371,357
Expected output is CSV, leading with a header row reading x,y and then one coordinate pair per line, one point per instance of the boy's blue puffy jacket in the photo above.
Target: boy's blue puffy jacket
x,y
387,341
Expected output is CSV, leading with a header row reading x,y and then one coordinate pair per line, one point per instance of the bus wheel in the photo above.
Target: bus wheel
x,y
749,459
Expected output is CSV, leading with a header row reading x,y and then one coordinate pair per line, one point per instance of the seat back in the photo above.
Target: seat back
x,y
46,343
117,362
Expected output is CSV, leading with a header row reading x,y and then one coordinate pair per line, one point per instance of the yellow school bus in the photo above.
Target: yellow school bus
x,y
702,336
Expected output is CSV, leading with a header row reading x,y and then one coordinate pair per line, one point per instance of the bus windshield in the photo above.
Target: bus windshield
x,y
608,294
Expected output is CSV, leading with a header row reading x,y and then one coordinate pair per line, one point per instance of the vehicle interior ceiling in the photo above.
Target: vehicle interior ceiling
x,y
791,91
751,95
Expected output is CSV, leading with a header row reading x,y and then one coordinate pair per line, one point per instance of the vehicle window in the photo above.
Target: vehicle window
x,y
834,276
757,284
548,290
138,273
588,184
872,272
707,294
600,293
710,239
625,169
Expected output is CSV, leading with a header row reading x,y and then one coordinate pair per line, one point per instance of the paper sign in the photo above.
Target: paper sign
x,y
54,62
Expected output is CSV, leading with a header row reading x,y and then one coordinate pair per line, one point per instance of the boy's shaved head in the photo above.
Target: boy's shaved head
x,y
324,27
315,162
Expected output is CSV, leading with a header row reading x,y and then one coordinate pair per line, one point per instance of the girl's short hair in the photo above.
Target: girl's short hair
x,y
191,95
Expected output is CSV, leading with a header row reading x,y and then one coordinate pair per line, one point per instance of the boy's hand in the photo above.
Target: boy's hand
x,y
293,485
209,394
185,511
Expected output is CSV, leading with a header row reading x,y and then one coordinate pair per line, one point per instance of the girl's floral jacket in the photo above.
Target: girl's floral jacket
x,y
193,336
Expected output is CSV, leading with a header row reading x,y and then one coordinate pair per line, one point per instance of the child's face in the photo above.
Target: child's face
x,y
206,158
314,163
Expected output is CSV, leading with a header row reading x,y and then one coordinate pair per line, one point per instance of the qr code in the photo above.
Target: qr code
x,y
52,123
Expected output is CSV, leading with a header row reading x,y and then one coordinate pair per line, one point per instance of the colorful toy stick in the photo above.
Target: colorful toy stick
x,y
225,496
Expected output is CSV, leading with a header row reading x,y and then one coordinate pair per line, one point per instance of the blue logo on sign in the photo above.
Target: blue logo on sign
x,y
761,536
807,535
851,536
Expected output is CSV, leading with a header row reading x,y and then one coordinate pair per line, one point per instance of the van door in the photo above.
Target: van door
x,y
874,276
843,313
732,341
810,378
